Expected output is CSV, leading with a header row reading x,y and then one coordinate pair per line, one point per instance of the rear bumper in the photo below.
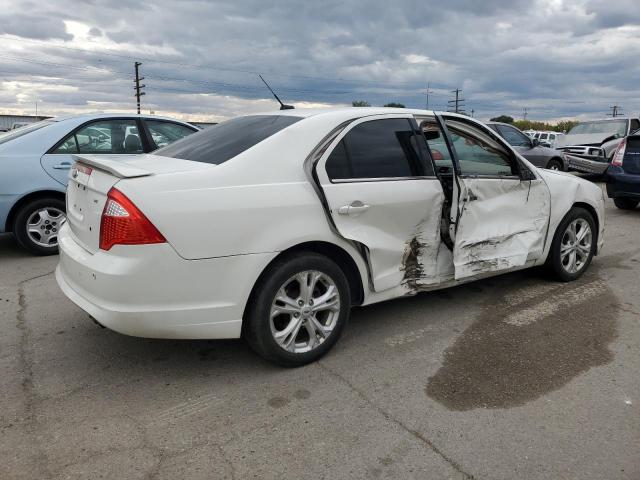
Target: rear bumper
x,y
621,184
585,165
150,291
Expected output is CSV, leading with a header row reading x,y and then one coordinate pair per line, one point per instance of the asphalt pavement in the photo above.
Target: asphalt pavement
x,y
515,377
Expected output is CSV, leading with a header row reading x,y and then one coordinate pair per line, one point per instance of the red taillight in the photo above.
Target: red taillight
x,y
436,154
618,155
122,223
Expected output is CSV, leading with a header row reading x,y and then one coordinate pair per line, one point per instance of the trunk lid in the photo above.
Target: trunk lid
x,y
91,178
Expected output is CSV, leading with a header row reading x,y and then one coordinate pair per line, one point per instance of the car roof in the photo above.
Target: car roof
x,y
97,116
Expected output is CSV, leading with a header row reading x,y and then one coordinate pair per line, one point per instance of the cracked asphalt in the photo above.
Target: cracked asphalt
x,y
512,377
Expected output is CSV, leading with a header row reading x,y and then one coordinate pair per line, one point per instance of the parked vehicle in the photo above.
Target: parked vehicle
x,y
623,174
589,146
549,139
530,148
35,162
272,226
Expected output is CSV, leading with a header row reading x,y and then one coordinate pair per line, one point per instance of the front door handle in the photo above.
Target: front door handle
x,y
62,166
356,208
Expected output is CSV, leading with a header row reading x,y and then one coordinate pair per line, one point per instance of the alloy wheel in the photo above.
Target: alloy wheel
x,y
43,226
305,311
575,247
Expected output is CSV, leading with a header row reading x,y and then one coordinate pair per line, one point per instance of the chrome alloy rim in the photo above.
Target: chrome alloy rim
x,y
43,226
575,247
305,311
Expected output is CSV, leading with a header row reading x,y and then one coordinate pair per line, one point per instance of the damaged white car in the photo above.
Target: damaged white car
x,y
272,226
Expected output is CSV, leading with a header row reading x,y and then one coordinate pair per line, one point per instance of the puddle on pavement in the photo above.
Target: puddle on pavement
x,y
533,339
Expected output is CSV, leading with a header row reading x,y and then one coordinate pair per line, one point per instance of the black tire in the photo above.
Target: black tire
x,y
555,164
22,217
626,203
554,260
257,328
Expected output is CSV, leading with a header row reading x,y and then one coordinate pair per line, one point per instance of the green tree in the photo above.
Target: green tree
x,y
502,119
360,103
394,105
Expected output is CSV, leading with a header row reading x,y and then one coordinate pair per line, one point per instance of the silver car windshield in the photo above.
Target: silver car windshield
x,y
19,132
618,127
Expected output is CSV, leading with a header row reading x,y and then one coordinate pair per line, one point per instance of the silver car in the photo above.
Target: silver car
x,y
530,148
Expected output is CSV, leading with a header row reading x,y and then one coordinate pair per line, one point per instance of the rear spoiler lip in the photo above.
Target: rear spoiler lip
x,y
117,168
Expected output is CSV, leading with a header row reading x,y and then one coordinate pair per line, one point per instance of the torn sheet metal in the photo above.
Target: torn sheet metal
x,y
420,257
503,225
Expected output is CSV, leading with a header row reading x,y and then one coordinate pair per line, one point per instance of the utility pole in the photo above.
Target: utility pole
x,y
616,111
456,104
524,113
138,88
428,92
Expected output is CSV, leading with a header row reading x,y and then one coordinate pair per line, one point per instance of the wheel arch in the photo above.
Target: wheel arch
x,y
336,253
26,199
589,208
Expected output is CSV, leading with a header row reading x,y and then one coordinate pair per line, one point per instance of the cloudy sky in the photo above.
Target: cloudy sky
x,y
557,58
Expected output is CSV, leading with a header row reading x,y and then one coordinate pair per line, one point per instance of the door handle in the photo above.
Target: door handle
x,y
62,166
356,208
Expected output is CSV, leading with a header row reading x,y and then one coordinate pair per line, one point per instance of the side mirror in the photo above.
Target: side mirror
x,y
534,142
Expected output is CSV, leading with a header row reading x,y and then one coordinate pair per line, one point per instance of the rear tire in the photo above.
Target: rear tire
x,y
37,224
555,164
290,325
574,245
626,203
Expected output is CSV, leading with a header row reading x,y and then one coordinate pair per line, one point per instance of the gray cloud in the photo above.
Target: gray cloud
x,y
556,58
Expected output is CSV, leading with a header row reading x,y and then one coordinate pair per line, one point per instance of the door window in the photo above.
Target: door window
x,y
437,145
635,125
378,149
478,153
164,133
514,137
104,137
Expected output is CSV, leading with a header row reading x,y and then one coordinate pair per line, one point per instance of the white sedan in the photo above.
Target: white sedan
x,y
272,226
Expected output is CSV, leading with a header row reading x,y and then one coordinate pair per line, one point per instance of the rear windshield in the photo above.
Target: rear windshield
x,y
224,141
18,132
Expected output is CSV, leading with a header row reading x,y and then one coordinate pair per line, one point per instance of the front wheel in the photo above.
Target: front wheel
x,y
38,223
298,309
574,245
626,203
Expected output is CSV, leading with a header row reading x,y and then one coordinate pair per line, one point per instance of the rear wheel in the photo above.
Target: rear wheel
x,y
574,245
626,203
555,164
38,223
298,310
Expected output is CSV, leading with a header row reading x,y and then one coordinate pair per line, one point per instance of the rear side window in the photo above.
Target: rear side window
x,y
226,140
377,149
163,133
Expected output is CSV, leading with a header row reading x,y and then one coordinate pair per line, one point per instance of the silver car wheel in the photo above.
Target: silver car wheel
x,y
554,167
43,226
575,247
305,311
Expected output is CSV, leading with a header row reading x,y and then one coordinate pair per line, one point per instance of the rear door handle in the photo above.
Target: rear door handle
x,y
62,166
356,208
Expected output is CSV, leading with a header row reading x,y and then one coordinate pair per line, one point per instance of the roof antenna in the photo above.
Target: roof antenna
x,y
282,105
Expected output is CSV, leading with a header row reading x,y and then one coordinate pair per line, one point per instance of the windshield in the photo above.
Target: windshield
x,y
224,141
19,132
612,127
